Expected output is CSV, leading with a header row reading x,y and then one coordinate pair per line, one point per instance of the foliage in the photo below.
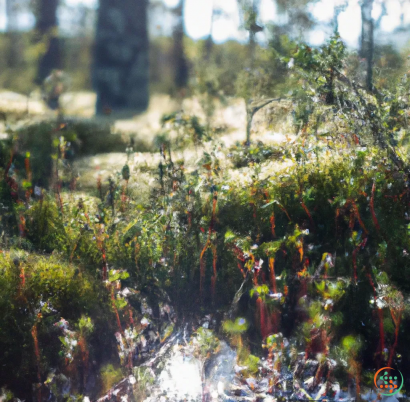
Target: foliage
x,y
255,153
316,248
110,376
206,343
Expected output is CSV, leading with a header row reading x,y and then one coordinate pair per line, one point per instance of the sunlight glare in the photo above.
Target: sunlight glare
x,y
322,10
392,20
350,23
171,3
198,18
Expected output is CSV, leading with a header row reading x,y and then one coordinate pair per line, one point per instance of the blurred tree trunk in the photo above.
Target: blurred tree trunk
x,y
179,58
47,30
367,40
121,56
209,43
339,8
250,11
12,7
14,52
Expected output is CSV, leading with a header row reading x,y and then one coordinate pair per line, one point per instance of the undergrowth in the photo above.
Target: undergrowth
x,y
321,247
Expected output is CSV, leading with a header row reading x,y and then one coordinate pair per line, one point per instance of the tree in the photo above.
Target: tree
x,y
250,10
14,54
367,40
179,59
256,84
121,57
47,31
367,45
340,6
299,19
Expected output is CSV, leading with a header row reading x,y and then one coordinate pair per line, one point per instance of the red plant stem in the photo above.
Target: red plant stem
x,y
300,250
104,264
354,257
130,316
396,337
22,226
27,166
34,334
215,274
22,279
351,221
116,310
308,213
202,266
272,224
241,269
262,317
272,274
239,255
284,210
358,385
357,214
375,221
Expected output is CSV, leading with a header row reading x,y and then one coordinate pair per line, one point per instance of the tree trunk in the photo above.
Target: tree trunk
x,y
367,40
338,10
180,61
47,27
209,42
13,56
121,58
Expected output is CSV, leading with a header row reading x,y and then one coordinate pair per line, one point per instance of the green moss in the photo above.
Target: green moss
x,y
110,376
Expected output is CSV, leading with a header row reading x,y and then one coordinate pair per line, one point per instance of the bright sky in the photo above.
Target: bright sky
x,y
198,18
